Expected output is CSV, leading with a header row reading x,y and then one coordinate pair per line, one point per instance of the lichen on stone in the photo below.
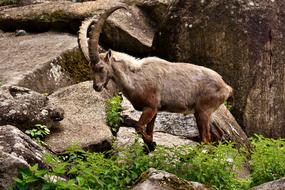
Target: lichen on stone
x,y
74,63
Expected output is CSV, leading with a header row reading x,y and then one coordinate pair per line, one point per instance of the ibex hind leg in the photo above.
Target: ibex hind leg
x,y
203,119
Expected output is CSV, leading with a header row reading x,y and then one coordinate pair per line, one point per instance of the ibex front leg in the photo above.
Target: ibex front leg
x,y
147,118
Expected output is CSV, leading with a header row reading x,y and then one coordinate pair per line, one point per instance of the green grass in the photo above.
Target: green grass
x,y
85,170
213,165
268,159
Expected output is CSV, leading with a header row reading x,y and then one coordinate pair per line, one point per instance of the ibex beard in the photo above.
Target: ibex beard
x,y
152,84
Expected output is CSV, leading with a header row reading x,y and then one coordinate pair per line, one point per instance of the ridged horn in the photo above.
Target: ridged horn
x,y
95,34
92,44
82,36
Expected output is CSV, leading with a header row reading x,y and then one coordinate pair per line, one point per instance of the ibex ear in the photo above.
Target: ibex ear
x,y
108,57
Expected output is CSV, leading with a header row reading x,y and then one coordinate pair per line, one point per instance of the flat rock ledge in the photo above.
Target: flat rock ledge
x,y
84,120
35,61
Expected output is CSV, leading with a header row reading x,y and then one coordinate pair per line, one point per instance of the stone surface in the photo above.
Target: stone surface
x,y
33,61
154,9
154,179
16,150
243,41
127,31
223,124
276,185
24,108
84,121
126,136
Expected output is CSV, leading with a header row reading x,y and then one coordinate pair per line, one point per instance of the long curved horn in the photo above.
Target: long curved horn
x,y
95,33
82,34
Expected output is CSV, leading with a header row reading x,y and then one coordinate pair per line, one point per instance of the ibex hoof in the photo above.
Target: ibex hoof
x,y
149,147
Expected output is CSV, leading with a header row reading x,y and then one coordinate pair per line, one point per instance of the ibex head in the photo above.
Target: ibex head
x,y
100,64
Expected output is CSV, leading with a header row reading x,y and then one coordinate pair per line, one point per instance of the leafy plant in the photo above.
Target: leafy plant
x,y
113,113
85,170
38,133
228,105
268,159
214,165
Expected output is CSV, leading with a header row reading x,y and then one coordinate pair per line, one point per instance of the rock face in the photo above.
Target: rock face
x,y
276,185
154,179
24,108
16,150
126,136
34,61
223,124
127,31
243,41
154,9
84,121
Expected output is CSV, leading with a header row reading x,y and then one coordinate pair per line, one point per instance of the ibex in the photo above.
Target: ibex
x,y
152,84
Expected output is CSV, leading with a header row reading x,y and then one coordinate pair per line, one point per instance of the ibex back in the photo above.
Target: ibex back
x,y
153,84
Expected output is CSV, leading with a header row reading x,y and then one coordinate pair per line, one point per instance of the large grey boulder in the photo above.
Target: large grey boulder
x,y
154,179
24,108
243,40
37,61
276,185
16,150
84,121
126,136
154,9
127,31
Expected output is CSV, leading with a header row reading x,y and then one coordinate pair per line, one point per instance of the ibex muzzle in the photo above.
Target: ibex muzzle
x,y
153,84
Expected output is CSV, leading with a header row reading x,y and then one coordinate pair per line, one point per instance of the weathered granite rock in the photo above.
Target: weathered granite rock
x,y
223,124
84,121
24,108
244,41
126,136
124,30
37,61
154,179
16,150
155,9
276,185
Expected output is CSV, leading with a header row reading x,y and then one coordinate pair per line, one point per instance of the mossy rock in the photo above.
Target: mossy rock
x,y
74,63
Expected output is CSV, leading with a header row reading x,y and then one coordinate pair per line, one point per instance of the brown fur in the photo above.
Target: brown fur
x,y
153,84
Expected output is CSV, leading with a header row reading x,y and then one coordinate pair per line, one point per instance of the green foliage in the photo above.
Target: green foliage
x,y
268,159
207,164
38,133
212,165
228,105
113,113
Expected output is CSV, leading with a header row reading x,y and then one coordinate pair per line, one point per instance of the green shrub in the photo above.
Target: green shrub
x,y
228,105
268,159
113,113
38,133
207,164
85,170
